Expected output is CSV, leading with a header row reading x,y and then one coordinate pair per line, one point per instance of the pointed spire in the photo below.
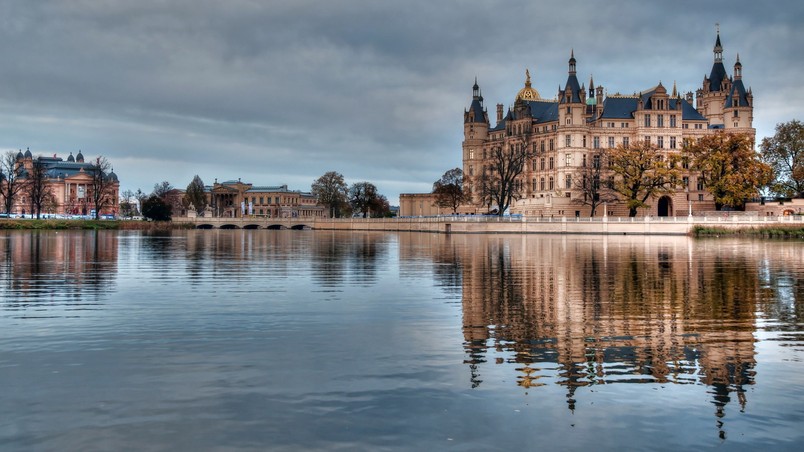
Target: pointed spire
x,y
572,62
738,69
675,92
718,50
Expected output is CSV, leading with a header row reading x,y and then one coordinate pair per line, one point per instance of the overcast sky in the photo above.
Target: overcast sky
x,y
279,92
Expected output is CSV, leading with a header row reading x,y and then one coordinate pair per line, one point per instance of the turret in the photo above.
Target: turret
x,y
570,98
475,132
738,106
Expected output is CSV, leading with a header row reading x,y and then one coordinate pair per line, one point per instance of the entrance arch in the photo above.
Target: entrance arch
x,y
665,206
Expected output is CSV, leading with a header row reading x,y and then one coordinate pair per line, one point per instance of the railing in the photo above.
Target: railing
x,y
788,219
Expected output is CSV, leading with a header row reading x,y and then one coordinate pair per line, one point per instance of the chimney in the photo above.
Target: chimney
x,y
499,112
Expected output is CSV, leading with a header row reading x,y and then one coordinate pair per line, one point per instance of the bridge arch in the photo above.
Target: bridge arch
x,y
275,226
229,226
251,226
204,226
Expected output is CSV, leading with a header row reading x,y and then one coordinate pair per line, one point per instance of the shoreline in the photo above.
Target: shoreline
x,y
96,225
793,231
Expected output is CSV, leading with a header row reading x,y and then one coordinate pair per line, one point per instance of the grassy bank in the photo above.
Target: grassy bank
x,y
771,231
128,225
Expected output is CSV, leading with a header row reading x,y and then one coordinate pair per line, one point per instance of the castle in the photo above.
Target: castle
x,y
567,134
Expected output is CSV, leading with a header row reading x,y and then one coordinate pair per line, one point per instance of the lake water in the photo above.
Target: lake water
x,y
319,340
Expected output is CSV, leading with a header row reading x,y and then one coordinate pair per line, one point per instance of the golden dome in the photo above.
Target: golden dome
x,y
528,93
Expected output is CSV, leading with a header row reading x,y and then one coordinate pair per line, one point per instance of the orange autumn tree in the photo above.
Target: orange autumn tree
x,y
641,172
730,169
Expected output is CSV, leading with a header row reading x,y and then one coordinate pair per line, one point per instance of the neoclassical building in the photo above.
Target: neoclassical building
x,y
69,183
568,133
235,198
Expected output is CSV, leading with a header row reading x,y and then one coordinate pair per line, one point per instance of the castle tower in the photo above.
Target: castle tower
x,y
570,99
738,109
715,89
475,132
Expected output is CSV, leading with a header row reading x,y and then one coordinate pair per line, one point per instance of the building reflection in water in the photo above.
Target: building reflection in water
x,y
335,258
45,270
600,310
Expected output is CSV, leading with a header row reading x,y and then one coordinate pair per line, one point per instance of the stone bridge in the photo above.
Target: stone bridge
x,y
248,223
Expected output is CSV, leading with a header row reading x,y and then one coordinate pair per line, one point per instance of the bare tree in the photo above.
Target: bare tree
x,y
499,183
10,183
140,196
590,184
162,188
36,187
103,185
127,207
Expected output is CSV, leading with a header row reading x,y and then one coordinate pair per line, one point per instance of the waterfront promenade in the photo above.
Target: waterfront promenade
x,y
469,224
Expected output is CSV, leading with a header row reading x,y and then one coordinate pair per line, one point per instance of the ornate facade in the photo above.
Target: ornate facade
x,y
565,134
69,184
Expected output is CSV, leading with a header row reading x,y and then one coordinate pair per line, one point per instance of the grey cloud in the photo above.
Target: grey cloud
x,y
285,90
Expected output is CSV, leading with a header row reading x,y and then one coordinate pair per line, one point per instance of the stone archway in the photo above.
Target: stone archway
x,y
665,207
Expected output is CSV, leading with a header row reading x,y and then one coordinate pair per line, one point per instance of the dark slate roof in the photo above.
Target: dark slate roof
x,y
543,111
717,76
619,107
63,169
540,110
476,109
688,112
737,91
624,108
572,83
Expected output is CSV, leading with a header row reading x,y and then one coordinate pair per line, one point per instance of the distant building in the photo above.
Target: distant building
x,y
239,199
69,183
420,205
565,134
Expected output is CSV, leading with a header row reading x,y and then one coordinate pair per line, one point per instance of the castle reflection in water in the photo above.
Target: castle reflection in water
x,y
582,311
573,311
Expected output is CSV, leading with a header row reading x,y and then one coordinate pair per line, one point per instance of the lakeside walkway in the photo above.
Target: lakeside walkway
x,y
475,224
